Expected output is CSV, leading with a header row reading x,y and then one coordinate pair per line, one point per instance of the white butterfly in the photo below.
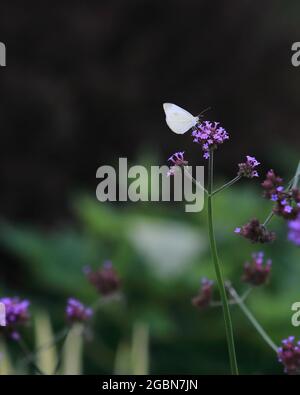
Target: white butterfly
x,y
178,119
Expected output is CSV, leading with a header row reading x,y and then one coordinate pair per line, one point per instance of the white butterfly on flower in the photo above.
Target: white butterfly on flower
x,y
178,119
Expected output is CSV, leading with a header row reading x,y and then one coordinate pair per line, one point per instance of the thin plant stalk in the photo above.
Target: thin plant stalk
x,y
232,301
25,350
227,185
219,274
191,178
32,355
269,217
59,360
296,177
251,318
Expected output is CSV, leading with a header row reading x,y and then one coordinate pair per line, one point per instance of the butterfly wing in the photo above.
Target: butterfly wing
x,y
178,119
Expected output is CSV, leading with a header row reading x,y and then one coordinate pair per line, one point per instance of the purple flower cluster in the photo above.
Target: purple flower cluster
x,y
287,201
256,232
204,298
289,355
271,183
294,230
17,314
77,312
247,169
177,159
105,280
256,272
209,135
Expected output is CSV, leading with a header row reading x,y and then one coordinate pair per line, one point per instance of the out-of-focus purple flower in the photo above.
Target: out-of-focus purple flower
x,y
17,314
209,135
176,160
256,272
289,355
247,169
256,232
272,184
294,231
77,312
287,201
204,298
105,280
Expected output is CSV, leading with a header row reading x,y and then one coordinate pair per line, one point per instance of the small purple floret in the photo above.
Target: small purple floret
x,y
256,272
177,160
77,312
247,169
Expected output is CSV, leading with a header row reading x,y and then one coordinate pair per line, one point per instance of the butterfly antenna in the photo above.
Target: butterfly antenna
x,y
204,111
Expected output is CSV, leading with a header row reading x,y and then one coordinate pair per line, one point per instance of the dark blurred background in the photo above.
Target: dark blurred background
x,y
85,83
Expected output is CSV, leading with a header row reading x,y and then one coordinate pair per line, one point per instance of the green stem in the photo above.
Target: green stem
x,y
190,177
232,302
251,318
59,360
219,275
227,185
60,335
268,219
26,352
296,177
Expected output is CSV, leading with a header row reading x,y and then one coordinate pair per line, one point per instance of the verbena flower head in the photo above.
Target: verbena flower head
x,y
289,355
247,169
272,184
294,230
204,298
17,314
255,232
176,160
77,312
256,272
287,202
286,206
105,280
209,135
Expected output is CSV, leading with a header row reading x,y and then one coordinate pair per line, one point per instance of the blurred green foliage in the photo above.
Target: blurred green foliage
x,y
161,253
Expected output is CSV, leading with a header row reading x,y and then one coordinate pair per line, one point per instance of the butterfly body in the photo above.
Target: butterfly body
x,y
178,119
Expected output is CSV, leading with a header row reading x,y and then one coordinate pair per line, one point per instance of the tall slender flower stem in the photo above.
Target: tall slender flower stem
x,y
227,185
59,360
251,318
190,177
269,217
296,178
24,348
232,301
219,274
30,356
